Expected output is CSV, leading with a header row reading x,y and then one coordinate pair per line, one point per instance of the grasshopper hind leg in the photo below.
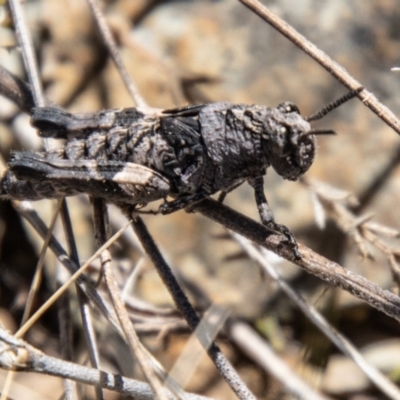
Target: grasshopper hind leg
x,y
33,176
12,187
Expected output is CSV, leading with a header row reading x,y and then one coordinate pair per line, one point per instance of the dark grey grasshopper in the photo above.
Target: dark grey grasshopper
x,y
134,156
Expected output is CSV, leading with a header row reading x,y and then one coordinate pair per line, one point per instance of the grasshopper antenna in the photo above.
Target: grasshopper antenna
x,y
321,132
331,106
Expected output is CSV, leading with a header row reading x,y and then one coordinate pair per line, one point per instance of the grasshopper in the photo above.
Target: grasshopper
x,y
134,156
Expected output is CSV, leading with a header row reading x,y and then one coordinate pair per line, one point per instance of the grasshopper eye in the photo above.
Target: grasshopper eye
x,y
288,107
292,108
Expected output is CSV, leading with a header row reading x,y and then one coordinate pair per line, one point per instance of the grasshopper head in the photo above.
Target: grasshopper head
x,y
289,142
289,139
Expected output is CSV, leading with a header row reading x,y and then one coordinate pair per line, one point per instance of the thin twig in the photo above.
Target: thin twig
x,y
16,90
25,41
311,262
210,325
83,301
129,331
325,61
25,209
132,279
66,340
37,278
343,344
31,296
114,52
358,227
66,285
258,349
131,336
35,284
18,355
224,367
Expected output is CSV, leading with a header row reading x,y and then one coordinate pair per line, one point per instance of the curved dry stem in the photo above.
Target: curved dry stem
x,y
311,262
127,326
15,354
25,41
114,52
335,69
